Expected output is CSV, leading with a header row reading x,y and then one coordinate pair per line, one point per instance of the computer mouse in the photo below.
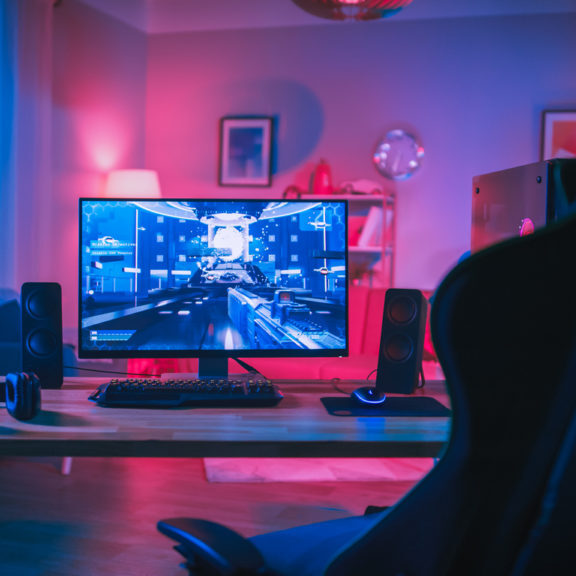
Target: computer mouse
x,y
368,395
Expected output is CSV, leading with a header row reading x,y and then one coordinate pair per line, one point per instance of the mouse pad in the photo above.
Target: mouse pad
x,y
392,406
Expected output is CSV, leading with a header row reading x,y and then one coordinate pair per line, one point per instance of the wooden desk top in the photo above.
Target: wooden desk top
x,y
71,425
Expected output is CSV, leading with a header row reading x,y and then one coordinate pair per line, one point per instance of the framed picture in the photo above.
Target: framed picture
x,y
245,151
558,138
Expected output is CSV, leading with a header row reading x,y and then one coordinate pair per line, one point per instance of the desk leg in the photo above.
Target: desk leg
x,y
66,465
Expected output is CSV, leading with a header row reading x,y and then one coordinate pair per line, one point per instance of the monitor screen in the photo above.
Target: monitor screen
x,y
212,278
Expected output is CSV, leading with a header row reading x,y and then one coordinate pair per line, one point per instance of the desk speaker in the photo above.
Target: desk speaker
x,y
402,341
41,304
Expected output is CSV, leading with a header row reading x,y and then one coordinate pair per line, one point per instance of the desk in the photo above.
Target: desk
x,y
70,425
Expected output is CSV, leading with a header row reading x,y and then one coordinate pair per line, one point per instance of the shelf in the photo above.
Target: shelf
x,y
368,264
366,249
353,198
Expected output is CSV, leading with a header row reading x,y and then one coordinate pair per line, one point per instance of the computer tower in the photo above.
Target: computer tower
x,y
519,200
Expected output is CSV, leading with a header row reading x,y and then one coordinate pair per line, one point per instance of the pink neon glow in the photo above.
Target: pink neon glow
x,y
105,139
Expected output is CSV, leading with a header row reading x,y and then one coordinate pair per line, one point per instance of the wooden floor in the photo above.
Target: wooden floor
x,y
100,520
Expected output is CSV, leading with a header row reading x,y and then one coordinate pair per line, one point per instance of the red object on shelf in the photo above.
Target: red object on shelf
x,y
322,179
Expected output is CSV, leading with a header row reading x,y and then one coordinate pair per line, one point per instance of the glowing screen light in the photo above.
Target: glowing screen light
x,y
231,239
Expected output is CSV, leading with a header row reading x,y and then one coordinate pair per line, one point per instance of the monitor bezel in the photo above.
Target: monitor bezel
x,y
223,353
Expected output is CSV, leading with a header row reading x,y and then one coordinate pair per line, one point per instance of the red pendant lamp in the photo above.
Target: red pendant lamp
x,y
352,9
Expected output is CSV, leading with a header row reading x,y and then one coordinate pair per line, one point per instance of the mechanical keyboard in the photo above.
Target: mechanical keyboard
x,y
207,393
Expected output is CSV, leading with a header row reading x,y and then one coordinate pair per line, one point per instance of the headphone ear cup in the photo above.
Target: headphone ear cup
x,y
23,396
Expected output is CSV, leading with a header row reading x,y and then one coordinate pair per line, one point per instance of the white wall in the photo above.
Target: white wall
x,y
472,89
98,121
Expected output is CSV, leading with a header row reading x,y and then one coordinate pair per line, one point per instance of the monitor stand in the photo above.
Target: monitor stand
x,y
211,368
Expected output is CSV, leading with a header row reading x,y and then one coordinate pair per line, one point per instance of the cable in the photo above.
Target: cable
x,y
375,370
422,377
334,383
247,366
122,373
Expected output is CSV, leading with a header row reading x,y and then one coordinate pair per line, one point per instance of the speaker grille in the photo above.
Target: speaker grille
x,y
402,310
41,302
398,348
42,342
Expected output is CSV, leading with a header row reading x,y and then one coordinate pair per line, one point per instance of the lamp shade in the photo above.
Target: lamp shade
x,y
136,183
352,9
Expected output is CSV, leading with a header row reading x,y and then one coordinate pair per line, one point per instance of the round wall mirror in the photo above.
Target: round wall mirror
x,y
398,155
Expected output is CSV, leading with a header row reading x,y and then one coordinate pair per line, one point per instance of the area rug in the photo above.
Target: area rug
x,y
315,469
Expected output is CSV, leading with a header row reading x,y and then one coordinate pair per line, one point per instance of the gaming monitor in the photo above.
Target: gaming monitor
x,y
212,279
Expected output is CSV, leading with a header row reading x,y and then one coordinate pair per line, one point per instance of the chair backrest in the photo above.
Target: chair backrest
x,y
504,328
549,548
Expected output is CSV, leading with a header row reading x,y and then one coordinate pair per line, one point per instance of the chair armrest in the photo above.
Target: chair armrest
x,y
223,550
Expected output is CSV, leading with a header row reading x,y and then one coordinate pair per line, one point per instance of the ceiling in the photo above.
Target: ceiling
x,y
169,16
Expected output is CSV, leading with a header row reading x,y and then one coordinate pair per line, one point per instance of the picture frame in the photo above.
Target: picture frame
x,y
558,134
245,151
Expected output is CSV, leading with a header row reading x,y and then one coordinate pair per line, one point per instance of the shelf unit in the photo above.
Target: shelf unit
x,y
370,256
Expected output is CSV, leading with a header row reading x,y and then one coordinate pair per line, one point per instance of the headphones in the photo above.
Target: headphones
x,y
23,398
